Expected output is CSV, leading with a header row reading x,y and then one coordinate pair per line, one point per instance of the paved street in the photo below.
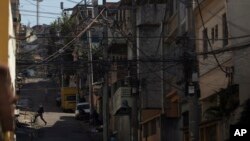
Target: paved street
x,y
61,126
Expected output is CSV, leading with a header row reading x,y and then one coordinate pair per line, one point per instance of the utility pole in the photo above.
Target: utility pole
x,y
105,88
90,65
62,73
193,71
135,120
37,11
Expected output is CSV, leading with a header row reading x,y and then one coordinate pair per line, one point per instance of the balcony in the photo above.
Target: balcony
x,y
122,94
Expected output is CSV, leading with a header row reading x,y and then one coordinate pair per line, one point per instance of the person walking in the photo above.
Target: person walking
x,y
39,113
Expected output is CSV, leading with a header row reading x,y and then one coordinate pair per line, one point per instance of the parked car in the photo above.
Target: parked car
x,y
82,111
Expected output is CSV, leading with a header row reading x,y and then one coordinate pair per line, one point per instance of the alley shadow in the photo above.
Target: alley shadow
x,y
40,93
67,128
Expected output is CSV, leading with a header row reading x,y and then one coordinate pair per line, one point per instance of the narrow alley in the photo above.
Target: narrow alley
x,y
124,70
60,126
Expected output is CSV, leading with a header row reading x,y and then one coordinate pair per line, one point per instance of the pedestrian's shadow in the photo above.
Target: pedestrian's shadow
x,y
20,125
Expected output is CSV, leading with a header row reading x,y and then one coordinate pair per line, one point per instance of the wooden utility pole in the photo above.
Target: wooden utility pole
x,y
105,96
90,69
135,121
192,84
37,11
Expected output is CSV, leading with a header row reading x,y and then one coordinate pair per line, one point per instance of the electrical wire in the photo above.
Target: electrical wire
x,y
63,48
206,34
39,5
163,28
170,60
149,37
125,37
50,13
169,83
39,16
30,2
51,57
146,72
228,22
230,48
73,1
68,21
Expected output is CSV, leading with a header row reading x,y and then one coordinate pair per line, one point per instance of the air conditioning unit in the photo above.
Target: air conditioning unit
x,y
122,96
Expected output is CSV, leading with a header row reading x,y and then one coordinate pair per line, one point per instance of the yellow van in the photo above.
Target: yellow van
x,y
68,98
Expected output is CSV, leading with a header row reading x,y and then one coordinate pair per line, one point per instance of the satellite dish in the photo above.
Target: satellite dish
x,y
30,37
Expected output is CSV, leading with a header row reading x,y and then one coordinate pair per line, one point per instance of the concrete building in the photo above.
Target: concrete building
x,y
165,112
238,25
16,15
212,78
119,125
160,90
176,105
127,104
160,93
218,90
8,42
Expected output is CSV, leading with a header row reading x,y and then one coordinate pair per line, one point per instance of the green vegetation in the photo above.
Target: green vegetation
x,y
228,100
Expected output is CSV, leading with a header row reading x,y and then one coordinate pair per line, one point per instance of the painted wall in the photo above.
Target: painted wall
x,y
211,77
151,86
12,50
238,23
152,136
4,33
8,43
149,18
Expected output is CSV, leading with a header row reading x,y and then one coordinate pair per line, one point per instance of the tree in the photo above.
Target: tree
x,y
245,114
228,102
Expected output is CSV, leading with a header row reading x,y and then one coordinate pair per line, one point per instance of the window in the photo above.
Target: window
x,y
149,128
153,127
145,130
212,35
224,30
216,33
205,44
209,133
